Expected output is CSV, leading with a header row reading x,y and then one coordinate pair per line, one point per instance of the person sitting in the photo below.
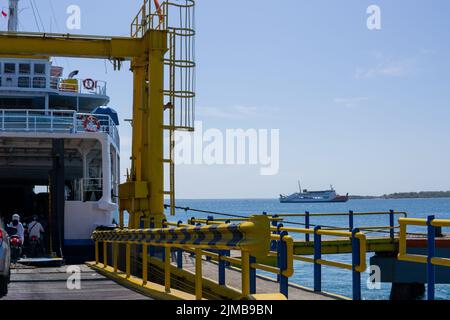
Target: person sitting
x,y
35,230
16,224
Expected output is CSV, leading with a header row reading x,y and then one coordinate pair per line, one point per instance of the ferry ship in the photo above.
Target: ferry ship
x,y
59,151
305,196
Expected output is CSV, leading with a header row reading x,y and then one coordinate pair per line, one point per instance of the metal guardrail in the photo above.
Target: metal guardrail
x,y
430,259
87,189
58,121
151,16
251,238
359,253
55,84
358,240
351,220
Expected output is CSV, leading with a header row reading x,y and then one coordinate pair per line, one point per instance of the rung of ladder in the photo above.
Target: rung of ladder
x,y
167,161
179,128
168,193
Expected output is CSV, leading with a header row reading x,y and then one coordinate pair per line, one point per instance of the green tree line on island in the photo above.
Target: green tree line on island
x,y
408,195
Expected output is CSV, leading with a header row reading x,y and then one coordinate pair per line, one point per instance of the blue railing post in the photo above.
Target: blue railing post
x,y
356,261
278,249
431,272
192,223
350,220
391,224
307,225
163,252
179,252
227,253
151,249
317,256
273,243
179,258
222,265
252,276
210,218
284,281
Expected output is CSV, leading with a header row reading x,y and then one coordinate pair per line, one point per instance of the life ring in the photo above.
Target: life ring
x,y
89,84
91,124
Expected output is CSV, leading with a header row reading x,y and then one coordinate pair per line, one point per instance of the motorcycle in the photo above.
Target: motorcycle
x,y
15,244
35,246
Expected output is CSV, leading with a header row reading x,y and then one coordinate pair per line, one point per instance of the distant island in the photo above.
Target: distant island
x,y
408,195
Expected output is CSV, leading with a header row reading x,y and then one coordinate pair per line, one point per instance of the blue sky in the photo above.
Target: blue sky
x,y
367,111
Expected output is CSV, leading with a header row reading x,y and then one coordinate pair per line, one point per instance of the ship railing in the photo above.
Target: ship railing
x,y
106,123
87,189
430,259
157,245
54,121
55,84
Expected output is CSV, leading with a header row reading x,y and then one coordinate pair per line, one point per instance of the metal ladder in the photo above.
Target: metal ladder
x,y
180,95
170,106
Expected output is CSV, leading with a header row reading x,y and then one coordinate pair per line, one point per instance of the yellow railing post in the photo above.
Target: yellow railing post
x,y
128,260
144,264
198,274
105,254
402,238
121,220
96,253
245,273
167,268
115,255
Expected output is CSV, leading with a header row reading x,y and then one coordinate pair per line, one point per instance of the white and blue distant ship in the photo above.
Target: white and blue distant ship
x,y
305,196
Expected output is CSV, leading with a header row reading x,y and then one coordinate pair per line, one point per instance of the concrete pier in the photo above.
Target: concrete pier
x,y
28,283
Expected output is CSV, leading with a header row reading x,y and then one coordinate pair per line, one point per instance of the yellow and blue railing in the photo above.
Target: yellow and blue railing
x,y
317,232
285,261
389,228
282,247
359,251
431,260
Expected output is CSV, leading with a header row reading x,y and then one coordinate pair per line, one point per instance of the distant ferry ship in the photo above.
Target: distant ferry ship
x,y
306,196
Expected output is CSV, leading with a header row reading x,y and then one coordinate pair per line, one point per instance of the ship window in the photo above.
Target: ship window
x,y
24,82
10,68
39,68
39,82
24,68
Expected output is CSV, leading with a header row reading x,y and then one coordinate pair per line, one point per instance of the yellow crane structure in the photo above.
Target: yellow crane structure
x,y
154,48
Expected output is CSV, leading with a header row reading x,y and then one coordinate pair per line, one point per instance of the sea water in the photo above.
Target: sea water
x,y
334,280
